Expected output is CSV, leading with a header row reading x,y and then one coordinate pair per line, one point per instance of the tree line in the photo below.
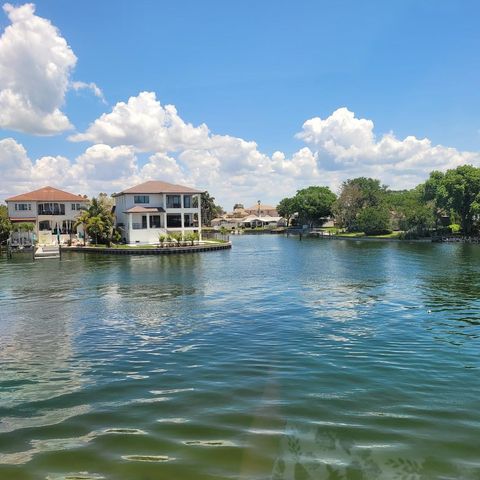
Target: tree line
x,y
447,202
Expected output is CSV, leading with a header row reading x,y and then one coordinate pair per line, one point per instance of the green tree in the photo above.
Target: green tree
x,y
456,190
313,204
286,209
95,227
82,220
5,224
374,220
355,195
209,210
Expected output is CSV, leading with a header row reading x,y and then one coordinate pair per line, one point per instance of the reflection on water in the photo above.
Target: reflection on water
x,y
278,359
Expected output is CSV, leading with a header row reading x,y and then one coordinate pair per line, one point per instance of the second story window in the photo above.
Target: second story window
x,y
51,209
187,201
174,201
76,206
23,206
141,199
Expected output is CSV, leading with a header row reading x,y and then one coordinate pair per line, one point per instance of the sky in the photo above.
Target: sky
x,y
249,100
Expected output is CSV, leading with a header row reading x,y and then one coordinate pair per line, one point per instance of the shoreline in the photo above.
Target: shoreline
x,y
149,250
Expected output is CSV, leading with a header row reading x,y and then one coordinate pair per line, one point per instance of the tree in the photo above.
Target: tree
x,y
313,204
374,220
456,190
5,224
82,220
355,195
209,210
286,209
95,227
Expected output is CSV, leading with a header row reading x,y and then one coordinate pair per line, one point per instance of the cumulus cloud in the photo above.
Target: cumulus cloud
x,y
35,65
142,140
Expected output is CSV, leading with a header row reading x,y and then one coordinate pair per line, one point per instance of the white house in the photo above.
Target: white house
x,y
144,212
53,213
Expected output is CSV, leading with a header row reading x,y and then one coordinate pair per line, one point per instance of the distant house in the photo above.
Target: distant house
x,y
261,210
145,211
258,215
53,213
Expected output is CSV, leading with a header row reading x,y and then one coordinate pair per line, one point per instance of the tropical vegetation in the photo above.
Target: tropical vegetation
x,y
447,202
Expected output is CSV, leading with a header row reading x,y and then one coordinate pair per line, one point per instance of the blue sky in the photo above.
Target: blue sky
x,y
258,70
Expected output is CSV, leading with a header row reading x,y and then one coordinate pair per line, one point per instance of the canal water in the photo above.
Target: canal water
x,y
279,359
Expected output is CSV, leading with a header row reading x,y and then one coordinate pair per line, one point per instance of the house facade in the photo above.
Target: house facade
x,y
146,211
53,213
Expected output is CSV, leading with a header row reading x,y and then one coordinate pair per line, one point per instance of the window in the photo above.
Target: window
x,y
188,220
51,209
155,221
144,221
187,201
141,199
76,206
23,206
44,225
195,201
174,201
174,220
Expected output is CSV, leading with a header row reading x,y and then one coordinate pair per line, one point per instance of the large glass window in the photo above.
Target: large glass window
x,y
51,209
144,221
155,221
76,206
174,220
187,201
174,201
188,220
195,201
141,199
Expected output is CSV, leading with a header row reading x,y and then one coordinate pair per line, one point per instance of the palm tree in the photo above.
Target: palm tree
x,y
95,227
83,220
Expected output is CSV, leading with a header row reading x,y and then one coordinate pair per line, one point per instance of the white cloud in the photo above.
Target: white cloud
x,y
35,65
234,170
144,123
93,87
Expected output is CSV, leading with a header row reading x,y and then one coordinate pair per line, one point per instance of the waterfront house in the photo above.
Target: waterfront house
x,y
145,211
52,212
258,215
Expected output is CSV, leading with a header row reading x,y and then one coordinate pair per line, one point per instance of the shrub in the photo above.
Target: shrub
x,y
374,220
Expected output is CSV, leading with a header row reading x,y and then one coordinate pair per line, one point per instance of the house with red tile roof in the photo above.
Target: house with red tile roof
x,y
53,212
150,209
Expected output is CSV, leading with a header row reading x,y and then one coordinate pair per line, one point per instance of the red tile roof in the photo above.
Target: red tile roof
x,y
47,194
154,186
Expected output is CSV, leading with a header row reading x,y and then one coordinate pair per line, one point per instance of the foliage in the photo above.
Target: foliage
x,y
191,237
374,220
5,224
176,237
286,208
102,228
355,195
454,227
312,204
23,227
458,191
96,227
208,209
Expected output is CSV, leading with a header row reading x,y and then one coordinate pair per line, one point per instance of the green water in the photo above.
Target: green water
x,y
278,359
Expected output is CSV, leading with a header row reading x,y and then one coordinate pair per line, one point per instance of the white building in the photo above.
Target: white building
x,y
144,212
53,213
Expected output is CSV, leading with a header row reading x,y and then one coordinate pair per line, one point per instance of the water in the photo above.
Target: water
x,y
278,359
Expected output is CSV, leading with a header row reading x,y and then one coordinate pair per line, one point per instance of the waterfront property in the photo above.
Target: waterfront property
x,y
150,209
258,215
52,212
